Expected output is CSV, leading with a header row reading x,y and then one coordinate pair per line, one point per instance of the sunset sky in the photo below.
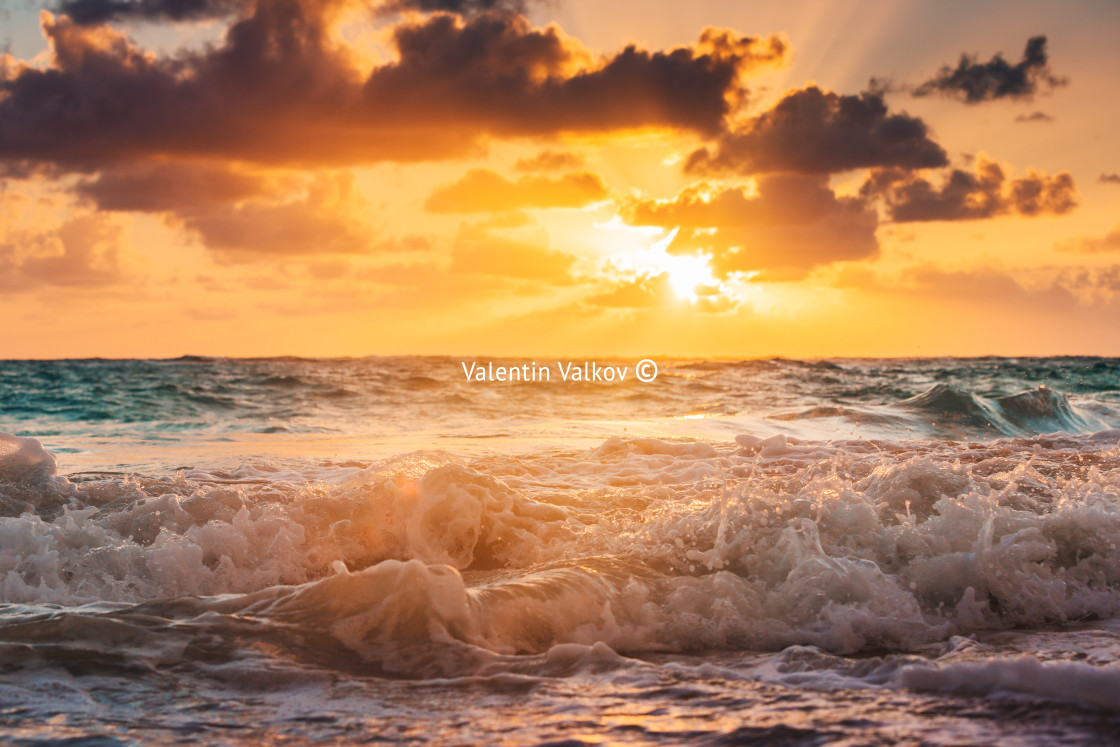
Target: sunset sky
x,y
570,177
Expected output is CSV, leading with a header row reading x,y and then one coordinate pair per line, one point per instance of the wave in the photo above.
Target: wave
x,y
1042,410
360,396
1074,682
426,563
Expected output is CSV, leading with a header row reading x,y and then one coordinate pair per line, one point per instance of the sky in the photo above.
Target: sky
x,y
559,178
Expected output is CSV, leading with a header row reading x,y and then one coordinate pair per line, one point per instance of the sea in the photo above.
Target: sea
x,y
733,552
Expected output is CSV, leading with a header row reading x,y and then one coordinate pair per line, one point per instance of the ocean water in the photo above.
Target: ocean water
x,y
918,551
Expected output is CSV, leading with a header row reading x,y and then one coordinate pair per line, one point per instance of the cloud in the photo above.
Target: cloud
x,y
501,257
410,244
986,192
811,131
325,219
482,191
282,88
974,82
643,292
461,7
986,286
82,253
171,187
92,12
793,224
428,286
1101,283
477,280
989,287
1109,179
550,160
484,262
509,249
977,286
1110,242
1034,117
243,214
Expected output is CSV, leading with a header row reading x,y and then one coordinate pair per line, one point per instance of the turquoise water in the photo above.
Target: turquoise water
x,y
117,414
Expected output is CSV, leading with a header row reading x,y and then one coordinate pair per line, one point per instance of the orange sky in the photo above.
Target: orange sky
x,y
266,177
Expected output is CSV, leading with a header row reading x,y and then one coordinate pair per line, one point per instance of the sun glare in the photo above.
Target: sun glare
x,y
687,273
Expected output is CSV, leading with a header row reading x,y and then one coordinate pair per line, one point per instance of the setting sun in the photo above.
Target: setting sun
x,y
687,273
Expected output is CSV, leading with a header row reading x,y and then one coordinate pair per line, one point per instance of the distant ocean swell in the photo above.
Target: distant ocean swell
x,y
193,398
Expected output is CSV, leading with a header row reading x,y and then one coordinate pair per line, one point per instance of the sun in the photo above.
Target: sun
x,y
687,273
634,252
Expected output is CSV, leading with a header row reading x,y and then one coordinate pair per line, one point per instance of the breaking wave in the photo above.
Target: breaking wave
x,y
641,544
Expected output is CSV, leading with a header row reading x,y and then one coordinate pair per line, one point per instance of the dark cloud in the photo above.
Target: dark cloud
x,y
496,74
280,90
986,192
90,12
245,215
170,187
793,224
811,131
1034,117
481,191
550,160
974,82
82,253
1109,179
462,7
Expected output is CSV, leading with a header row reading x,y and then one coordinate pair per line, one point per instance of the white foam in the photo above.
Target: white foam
x,y
24,459
1068,681
642,544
